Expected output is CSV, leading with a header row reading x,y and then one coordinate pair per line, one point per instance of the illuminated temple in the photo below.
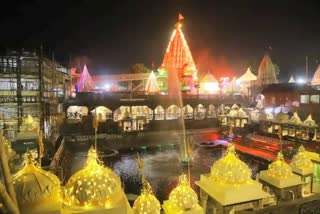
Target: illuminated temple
x,y
178,70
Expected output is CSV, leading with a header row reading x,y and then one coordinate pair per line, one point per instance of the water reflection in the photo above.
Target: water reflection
x,y
162,168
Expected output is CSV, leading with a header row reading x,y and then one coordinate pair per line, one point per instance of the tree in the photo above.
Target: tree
x,y
138,68
276,69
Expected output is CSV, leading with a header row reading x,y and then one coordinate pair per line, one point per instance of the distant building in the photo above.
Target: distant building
x,y
31,85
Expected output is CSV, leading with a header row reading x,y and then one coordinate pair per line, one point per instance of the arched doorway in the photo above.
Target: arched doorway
x,y
200,112
159,113
187,112
103,113
173,112
77,112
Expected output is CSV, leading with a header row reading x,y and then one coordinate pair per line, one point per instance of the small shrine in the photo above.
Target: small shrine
x,y
280,180
182,199
229,187
302,165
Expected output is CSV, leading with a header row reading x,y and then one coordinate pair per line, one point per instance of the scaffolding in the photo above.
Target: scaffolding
x,y
31,85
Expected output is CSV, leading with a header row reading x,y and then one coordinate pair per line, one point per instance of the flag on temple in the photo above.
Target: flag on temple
x,y
140,162
180,17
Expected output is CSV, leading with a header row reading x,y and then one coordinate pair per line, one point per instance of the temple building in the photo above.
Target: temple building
x,y
293,128
280,180
230,188
245,81
302,165
182,199
316,78
178,66
266,72
209,84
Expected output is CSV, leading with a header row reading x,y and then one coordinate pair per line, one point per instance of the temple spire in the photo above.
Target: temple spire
x,y
178,62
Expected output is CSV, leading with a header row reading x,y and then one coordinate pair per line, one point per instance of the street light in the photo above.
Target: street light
x,y
197,86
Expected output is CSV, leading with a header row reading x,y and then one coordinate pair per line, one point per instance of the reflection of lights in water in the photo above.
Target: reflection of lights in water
x,y
162,167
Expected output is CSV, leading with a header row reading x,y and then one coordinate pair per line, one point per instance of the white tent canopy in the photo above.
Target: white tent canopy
x,y
292,80
152,84
316,77
247,76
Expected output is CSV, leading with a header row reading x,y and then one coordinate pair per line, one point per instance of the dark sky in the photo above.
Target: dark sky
x,y
223,34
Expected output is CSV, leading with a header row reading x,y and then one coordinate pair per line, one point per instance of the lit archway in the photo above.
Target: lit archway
x,y
77,112
187,112
159,113
200,112
211,113
173,112
103,113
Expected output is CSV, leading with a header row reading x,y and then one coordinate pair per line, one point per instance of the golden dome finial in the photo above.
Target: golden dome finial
x,y
280,156
183,180
146,203
183,196
28,158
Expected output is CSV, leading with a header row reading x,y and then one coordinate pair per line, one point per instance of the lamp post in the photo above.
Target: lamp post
x,y
197,86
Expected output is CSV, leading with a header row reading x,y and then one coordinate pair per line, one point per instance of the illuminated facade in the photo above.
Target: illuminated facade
x,y
178,70
32,85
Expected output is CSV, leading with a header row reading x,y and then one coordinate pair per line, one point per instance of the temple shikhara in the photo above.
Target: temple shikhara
x,y
178,64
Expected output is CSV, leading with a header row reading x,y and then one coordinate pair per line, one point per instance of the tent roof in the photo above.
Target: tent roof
x,y
248,76
316,77
292,80
209,78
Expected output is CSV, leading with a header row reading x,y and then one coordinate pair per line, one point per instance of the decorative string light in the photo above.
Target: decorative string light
x,y
302,160
279,168
230,169
146,203
93,186
183,196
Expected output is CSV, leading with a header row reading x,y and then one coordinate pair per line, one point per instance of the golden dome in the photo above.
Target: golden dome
x,y
230,169
183,196
302,160
35,186
146,203
279,168
93,186
282,117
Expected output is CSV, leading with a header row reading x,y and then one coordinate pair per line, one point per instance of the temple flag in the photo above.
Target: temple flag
x,y
180,17
140,162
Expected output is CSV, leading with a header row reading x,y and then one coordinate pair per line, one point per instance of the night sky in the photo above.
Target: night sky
x,y
224,36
